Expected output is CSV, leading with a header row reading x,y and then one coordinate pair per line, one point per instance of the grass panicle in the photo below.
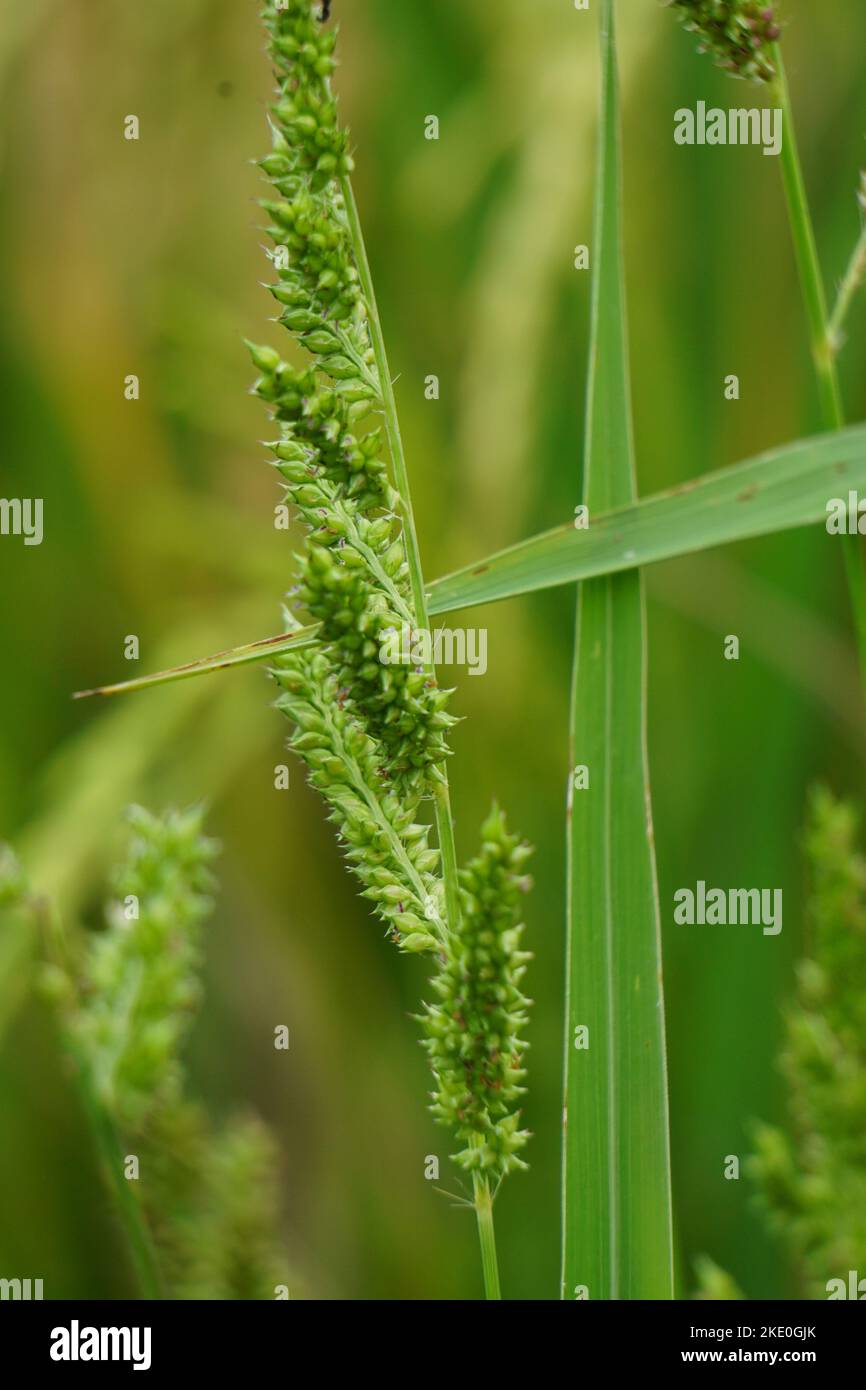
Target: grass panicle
x,y
739,34
812,1176
722,24
373,734
202,1218
139,984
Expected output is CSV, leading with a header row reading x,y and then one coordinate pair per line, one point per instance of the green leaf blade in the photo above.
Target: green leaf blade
x,y
778,490
617,1241
266,648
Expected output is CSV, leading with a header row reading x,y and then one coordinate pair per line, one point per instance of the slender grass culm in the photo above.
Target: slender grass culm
x,y
373,734
744,36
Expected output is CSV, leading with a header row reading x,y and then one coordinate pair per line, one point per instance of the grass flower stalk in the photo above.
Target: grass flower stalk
x,y
444,818
373,734
823,333
744,38
852,281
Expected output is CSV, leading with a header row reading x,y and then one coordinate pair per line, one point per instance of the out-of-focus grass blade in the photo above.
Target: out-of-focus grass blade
x,y
776,491
220,661
617,1241
78,792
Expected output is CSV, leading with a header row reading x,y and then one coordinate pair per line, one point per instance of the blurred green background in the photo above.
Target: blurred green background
x,y
145,258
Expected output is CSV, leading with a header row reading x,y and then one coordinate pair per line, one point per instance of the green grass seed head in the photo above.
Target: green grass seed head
x,y
738,33
373,732
811,1179
353,576
140,979
473,1033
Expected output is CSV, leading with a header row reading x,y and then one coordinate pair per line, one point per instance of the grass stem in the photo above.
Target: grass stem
x,y
820,328
483,1199
852,282
444,818
487,1237
142,1249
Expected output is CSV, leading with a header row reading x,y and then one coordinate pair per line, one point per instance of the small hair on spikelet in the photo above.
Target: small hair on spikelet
x,y
738,33
812,1180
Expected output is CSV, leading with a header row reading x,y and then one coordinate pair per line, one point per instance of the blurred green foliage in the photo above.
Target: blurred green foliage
x,y
812,1180
143,257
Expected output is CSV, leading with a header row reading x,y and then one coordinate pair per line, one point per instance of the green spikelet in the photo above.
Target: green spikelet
x,y
383,843
813,1181
474,1032
738,33
139,984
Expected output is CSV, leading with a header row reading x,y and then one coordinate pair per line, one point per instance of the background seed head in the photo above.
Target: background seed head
x,y
738,33
139,982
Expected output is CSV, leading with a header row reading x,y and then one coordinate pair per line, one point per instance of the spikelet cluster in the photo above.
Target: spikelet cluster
x,y
139,984
812,1179
373,734
386,846
208,1194
473,1033
738,33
